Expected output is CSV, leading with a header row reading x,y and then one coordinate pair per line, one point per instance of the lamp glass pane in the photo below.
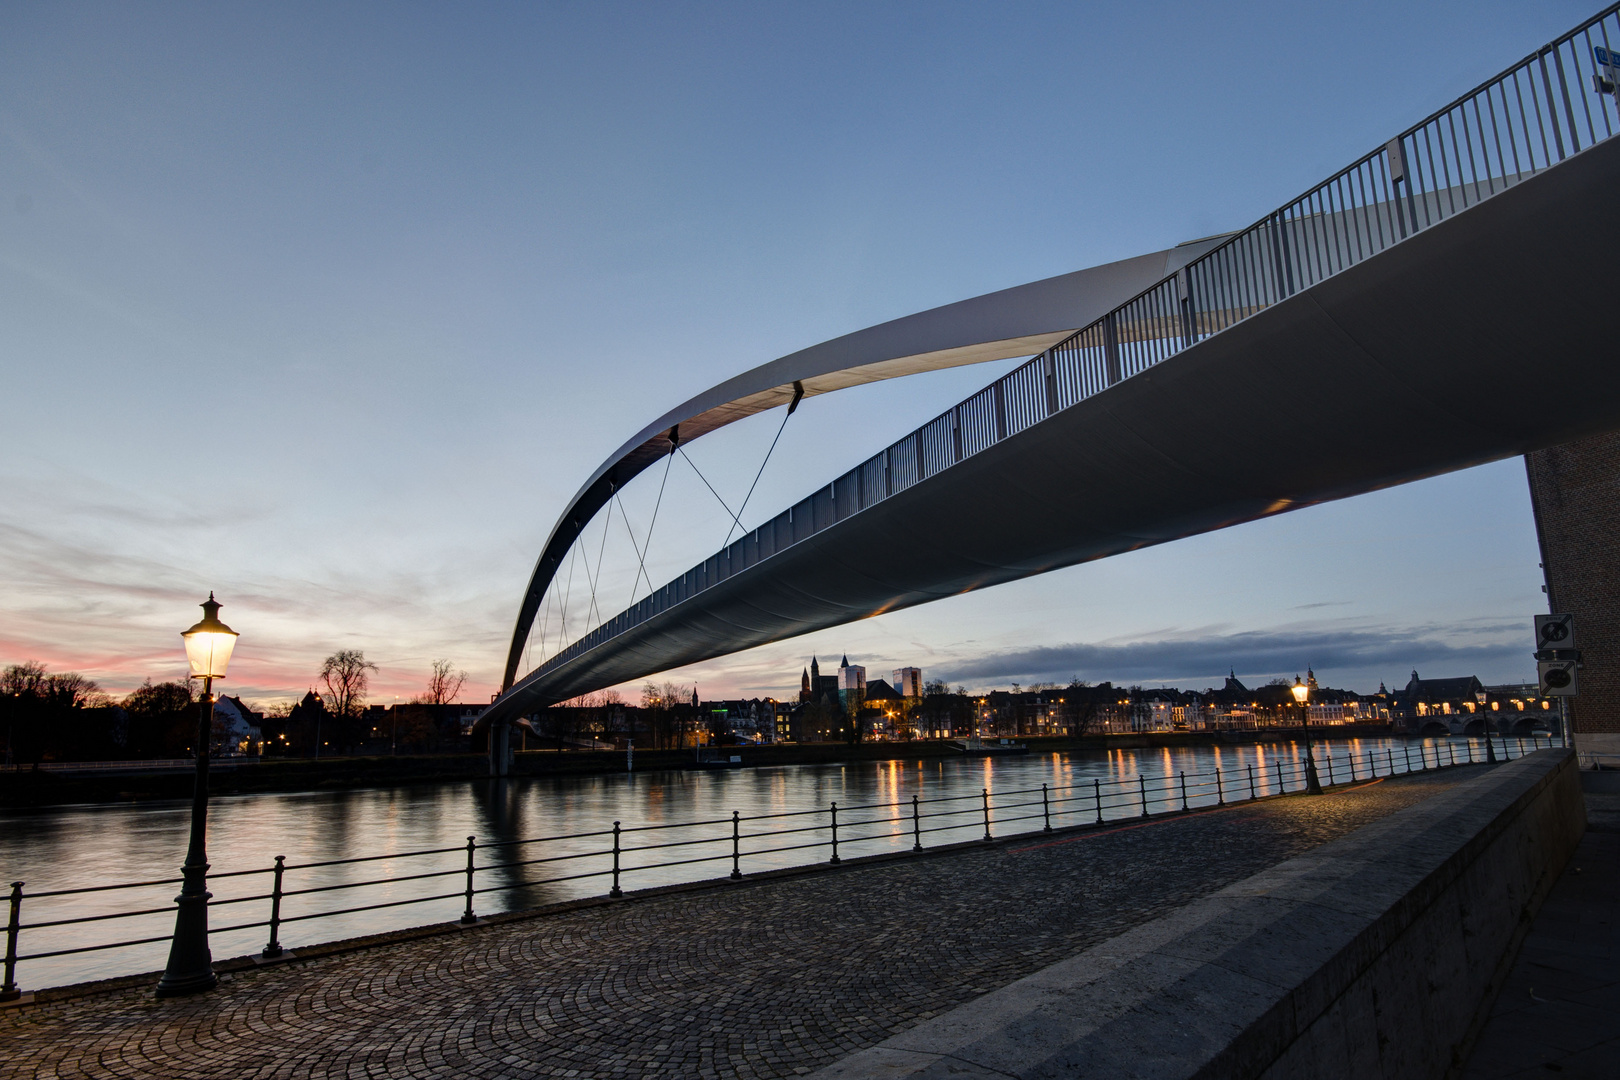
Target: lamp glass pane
x,y
209,653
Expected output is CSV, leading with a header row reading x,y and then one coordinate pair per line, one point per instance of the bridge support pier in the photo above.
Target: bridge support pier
x,y
500,748
1575,491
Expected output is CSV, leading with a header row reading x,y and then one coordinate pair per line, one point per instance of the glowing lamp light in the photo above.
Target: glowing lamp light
x,y
209,643
1299,690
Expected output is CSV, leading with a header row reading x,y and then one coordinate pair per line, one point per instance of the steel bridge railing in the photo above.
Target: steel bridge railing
x,y
1535,114
65,922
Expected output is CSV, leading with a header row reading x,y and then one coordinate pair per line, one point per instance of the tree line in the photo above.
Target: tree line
x,y
66,716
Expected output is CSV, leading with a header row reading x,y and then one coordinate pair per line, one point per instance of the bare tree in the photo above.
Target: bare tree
x,y
444,685
345,674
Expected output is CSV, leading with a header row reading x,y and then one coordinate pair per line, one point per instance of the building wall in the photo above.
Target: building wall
x,y
1575,490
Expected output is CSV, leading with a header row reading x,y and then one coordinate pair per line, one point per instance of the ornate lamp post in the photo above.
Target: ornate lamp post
x,y
1481,697
191,967
1313,785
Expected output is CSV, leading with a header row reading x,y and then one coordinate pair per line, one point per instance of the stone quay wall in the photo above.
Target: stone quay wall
x,y
1374,956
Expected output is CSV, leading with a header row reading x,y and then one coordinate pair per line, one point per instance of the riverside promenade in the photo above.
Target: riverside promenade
x,y
764,978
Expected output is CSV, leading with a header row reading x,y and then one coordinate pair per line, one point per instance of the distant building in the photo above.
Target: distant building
x,y
236,728
907,682
813,685
851,685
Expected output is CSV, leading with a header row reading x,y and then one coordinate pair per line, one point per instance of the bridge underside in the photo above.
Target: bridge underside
x,y
1485,336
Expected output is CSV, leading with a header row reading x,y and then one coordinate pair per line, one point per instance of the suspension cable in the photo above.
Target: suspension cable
x,y
768,453
601,549
708,485
668,461
568,591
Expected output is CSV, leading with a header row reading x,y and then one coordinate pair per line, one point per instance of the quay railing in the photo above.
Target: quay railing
x,y
1525,120
291,895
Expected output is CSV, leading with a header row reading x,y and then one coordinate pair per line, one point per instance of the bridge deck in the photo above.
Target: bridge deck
x,y
772,979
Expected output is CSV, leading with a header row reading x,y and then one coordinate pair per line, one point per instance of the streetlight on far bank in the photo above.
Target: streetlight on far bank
x,y
191,966
1301,692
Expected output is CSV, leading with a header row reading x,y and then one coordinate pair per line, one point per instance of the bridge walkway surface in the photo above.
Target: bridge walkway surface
x,y
772,977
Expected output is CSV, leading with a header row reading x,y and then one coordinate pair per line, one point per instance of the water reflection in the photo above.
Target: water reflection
x,y
74,846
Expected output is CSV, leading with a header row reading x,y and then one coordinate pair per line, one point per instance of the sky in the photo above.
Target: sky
x,y
330,308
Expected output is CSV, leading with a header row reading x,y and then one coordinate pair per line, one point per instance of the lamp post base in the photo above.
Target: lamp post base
x,y
191,964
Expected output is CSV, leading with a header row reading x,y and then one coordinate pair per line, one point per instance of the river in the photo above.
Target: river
x,y
78,846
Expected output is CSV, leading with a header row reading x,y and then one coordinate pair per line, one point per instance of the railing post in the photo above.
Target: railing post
x,y
616,891
1331,780
467,916
1184,806
736,836
835,857
1113,371
1096,789
8,989
916,825
1390,754
1046,810
1252,795
1220,790
1451,750
1351,758
986,793
1141,784
272,948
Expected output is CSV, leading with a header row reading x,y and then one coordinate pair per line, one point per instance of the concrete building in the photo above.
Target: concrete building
x,y
907,681
851,685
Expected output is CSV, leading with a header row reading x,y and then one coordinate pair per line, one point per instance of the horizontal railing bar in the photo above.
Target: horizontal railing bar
x,y
105,888
543,881
374,907
375,858
93,948
372,881
544,839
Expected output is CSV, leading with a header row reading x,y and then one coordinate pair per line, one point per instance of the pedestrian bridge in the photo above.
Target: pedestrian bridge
x,y
1444,301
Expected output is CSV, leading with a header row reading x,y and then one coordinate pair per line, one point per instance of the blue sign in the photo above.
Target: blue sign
x,y
1605,58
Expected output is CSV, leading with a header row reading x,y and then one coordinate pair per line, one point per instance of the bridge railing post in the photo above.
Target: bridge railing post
x,y
1252,795
1220,789
467,916
1184,806
615,891
8,988
834,858
1141,785
1046,810
1096,790
736,838
272,948
916,825
986,794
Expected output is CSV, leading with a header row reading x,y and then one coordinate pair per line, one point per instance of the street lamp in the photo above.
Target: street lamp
x,y
191,969
1485,725
1313,785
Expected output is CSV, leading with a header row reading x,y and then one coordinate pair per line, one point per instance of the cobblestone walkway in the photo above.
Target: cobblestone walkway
x,y
741,981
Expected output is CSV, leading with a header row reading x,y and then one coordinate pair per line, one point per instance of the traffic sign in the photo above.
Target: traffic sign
x,y
1555,632
1557,678
1606,59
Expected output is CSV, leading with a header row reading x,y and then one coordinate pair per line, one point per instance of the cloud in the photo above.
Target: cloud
x,y
1489,648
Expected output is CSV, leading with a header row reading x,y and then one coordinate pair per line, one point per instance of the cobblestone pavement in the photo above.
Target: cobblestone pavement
x,y
772,979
